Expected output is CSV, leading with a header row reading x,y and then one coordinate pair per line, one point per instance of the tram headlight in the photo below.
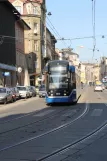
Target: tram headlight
x,y
51,94
65,94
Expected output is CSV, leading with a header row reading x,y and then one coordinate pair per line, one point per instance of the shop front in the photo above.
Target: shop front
x,y
7,75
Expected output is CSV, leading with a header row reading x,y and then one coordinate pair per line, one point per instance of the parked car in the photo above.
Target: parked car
x,y
32,90
15,92
103,87
23,91
42,91
5,95
98,88
37,90
105,84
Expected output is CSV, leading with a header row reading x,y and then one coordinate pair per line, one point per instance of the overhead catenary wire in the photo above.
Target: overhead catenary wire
x,y
94,26
62,39
55,29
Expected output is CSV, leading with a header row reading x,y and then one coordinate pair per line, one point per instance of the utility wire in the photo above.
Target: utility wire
x,y
94,25
55,29
56,32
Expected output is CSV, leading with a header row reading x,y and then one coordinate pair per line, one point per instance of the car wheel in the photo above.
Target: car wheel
x,y
15,99
48,104
34,95
12,100
5,101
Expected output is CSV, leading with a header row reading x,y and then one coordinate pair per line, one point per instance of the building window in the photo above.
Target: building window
x,y
35,10
35,28
30,45
28,7
29,24
18,8
36,45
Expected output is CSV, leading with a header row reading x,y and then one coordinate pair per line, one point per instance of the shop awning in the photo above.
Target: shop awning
x,y
8,67
34,74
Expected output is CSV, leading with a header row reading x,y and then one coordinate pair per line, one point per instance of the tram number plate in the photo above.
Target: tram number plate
x,y
57,94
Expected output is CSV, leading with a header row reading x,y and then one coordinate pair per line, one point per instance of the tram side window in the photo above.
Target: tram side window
x,y
70,81
74,80
47,81
72,84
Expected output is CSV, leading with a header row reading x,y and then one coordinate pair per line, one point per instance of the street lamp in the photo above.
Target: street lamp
x,y
49,14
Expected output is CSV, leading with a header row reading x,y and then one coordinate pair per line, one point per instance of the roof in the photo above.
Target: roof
x,y
88,64
68,51
9,5
23,24
36,1
52,36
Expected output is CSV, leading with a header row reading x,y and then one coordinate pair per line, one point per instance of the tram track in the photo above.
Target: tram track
x,y
66,148
46,133
54,154
32,122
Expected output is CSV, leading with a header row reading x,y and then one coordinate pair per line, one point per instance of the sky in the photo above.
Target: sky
x,y
72,19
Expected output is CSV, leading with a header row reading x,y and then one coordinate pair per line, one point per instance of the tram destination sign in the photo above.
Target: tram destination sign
x,y
58,68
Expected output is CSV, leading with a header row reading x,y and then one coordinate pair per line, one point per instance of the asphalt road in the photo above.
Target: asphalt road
x,y
31,131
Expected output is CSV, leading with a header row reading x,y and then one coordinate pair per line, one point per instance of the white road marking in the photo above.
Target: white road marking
x,y
44,113
97,112
69,112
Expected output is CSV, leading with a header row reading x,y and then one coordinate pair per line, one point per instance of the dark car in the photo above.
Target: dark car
x,y
32,90
42,91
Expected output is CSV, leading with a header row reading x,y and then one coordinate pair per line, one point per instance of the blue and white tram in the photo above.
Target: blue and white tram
x,y
63,83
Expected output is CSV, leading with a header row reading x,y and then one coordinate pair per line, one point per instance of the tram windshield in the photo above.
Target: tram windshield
x,y
58,81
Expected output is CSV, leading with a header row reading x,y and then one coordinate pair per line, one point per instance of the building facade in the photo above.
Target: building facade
x,y
103,67
83,73
8,17
89,72
68,54
50,45
22,77
96,72
33,13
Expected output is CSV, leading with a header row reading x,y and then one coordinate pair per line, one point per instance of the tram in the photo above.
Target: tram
x,y
63,84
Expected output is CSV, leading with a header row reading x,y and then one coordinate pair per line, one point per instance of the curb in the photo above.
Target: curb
x,y
82,97
15,104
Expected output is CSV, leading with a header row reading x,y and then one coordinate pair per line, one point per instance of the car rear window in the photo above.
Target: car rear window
x,y
2,90
21,88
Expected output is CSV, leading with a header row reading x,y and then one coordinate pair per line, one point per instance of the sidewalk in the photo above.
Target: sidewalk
x,y
17,103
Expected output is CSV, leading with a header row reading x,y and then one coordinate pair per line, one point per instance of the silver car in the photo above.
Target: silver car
x,y
23,91
5,95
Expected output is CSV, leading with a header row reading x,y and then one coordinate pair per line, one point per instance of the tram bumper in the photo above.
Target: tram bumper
x,y
62,99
